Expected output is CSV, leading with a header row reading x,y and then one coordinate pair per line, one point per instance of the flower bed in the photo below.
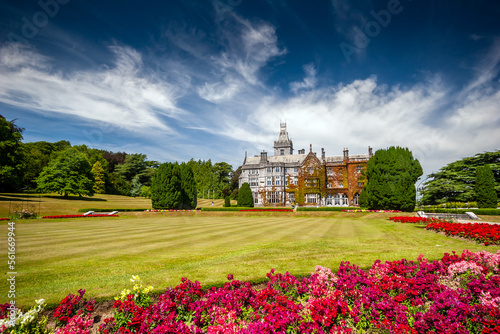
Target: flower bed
x,y
413,220
365,210
489,234
4,218
457,294
79,216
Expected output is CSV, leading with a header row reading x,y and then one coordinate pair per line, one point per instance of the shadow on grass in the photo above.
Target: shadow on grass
x,y
76,198
20,195
12,199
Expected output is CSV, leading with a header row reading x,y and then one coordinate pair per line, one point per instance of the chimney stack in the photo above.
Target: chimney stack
x,y
263,156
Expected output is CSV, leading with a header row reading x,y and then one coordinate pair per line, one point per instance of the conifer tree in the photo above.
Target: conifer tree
x,y
245,197
486,196
188,187
99,181
391,176
166,187
174,187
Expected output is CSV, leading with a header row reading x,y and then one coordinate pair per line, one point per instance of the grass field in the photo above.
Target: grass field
x,y
57,257
53,204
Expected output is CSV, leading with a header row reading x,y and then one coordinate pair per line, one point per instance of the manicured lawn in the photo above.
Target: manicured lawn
x,y
54,204
57,257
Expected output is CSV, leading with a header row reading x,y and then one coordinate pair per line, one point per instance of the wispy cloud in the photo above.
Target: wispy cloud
x,y
121,95
309,81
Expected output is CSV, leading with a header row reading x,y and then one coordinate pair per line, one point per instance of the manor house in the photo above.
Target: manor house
x,y
301,179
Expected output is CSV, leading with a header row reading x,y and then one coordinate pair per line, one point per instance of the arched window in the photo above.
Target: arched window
x,y
356,199
345,200
329,199
336,199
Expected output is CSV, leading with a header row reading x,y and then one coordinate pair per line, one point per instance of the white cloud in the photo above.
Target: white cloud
x,y
122,95
363,113
248,46
309,81
15,55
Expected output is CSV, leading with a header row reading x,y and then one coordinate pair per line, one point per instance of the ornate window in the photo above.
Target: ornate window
x,y
311,198
274,197
356,199
345,200
336,199
254,181
329,199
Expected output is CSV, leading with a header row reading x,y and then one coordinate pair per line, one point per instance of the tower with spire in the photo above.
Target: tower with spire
x,y
284,145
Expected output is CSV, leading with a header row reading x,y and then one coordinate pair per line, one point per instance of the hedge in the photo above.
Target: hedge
x,y
326,208
110,210
238,208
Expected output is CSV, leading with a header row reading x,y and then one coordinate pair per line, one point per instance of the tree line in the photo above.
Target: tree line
x,y
80,170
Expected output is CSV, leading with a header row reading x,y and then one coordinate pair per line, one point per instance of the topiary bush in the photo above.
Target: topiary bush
x,y
245,197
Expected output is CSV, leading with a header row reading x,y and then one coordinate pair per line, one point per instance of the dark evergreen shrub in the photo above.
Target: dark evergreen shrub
x,y
391,175
486,196
245,197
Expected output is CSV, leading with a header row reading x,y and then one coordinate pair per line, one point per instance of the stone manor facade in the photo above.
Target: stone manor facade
x,y
303,179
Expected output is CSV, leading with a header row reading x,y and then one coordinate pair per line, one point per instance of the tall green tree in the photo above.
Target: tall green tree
x,y
391,175
36,158
99,178
174,187
136,165
189,196
11,155
166,187
455,182
245,197
118,185
68,172
234,183
486,196
211,179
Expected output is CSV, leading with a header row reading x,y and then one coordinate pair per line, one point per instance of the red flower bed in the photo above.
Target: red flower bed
x,y
457,294
366,210
489,234
78,216
267,210
4,218
403,219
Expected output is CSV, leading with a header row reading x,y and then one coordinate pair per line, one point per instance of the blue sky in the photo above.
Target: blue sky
x,y
212,79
